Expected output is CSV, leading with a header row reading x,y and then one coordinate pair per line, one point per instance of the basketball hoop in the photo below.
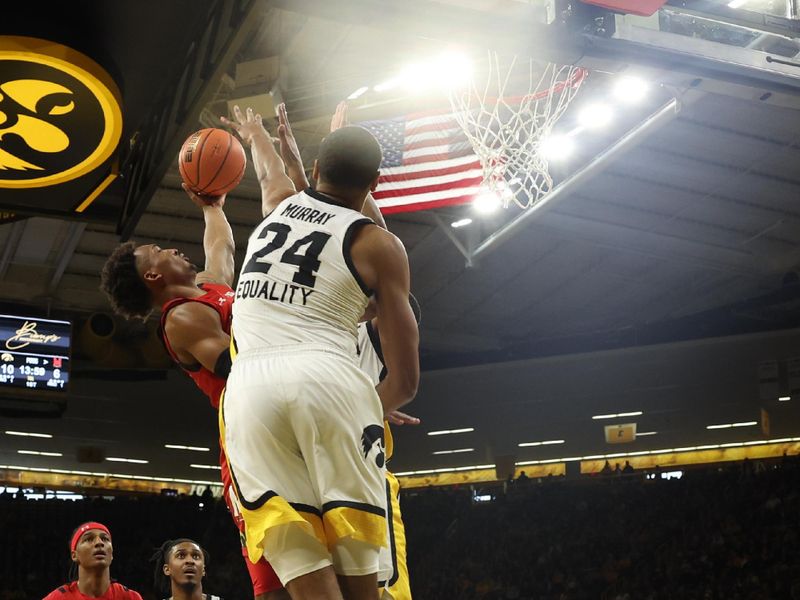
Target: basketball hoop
x,y
507,115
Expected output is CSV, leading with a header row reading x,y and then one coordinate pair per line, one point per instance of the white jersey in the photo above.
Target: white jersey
x,y
298,284
370,355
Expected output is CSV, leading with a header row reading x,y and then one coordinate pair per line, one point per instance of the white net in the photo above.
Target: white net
x,y
506,116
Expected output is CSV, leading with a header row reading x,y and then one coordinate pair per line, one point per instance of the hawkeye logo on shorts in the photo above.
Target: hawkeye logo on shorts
x,y
60,117
372,437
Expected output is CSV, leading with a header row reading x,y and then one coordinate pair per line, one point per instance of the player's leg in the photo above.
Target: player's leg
x,y
320,585
303,563
358,588
266,584
281,594
342,443
277,500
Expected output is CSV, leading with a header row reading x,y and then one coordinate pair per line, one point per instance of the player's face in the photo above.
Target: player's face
x,y
169,263
94,550
185,564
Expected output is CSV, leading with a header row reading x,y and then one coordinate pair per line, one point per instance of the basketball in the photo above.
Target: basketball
x,y
212,162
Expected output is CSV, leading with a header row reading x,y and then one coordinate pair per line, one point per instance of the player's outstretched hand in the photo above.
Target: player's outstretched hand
x,y
246,125
339,118
400,418
203,201
290,153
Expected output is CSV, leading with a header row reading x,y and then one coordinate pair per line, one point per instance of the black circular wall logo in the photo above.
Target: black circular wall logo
x,y
60,115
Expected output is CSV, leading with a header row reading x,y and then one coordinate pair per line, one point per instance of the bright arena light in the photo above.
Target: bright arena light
x,y
388,84
630,89
450,69
486,203
556,147
455,69
358,92
593,116
460,223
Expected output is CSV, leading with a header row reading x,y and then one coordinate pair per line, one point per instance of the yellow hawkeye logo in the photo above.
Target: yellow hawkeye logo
x,y
60,116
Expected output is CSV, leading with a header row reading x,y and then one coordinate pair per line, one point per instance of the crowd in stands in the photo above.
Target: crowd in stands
x,y
728,533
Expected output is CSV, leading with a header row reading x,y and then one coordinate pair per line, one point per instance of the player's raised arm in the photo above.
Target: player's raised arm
x,y
218,244
290,153
270,170
381,260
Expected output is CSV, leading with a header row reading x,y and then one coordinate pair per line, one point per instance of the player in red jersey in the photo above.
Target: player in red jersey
x,y
195,326
92,552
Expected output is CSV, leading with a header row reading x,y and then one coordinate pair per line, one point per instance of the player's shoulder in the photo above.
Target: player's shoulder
x,y
377,237
123,592
56,594
186,316
215,287
62,592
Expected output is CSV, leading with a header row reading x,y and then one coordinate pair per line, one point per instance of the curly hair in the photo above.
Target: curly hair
x,y
120,281
161,557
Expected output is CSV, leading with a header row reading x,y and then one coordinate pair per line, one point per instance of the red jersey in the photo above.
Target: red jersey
x,y
70,591
220,298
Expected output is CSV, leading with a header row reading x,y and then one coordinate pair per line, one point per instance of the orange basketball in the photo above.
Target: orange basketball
x,y
211,162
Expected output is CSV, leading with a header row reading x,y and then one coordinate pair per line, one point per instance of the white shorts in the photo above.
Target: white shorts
x,y
303,433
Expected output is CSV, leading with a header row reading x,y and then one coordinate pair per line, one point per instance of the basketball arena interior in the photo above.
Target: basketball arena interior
x,y
605,251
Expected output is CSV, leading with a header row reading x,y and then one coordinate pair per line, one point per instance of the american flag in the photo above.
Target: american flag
x,y
427,162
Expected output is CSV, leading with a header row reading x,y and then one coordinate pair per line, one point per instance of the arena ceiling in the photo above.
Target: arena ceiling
x,y
691,233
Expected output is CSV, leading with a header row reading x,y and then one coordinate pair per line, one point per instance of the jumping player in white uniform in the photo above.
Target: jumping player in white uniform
x,y
393,579
302,423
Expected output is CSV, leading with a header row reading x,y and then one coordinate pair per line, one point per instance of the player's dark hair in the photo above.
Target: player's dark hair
x,y
349,158
161,557
120,281
73,564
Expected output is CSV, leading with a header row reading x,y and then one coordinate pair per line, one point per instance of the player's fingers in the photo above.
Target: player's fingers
x,y
249,114
393,420
229,123
237,114
286,120
400,418
192,196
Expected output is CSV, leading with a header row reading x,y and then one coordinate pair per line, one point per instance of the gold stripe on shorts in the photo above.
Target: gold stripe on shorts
x,y
361,522
399,584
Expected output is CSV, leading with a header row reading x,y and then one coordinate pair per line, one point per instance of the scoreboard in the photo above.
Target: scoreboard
x,y
34,353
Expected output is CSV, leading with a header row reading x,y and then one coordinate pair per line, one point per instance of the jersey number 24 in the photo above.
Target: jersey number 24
x,y
307,263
